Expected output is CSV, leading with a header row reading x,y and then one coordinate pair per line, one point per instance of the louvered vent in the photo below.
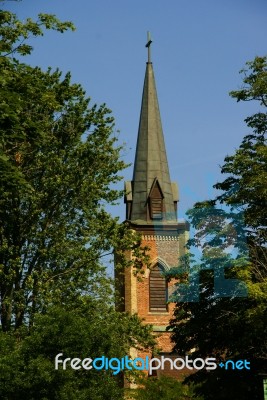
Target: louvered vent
x,y
156,208
157,290
156,201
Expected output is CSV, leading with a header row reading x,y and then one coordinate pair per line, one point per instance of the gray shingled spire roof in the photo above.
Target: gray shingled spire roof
x,y
151,162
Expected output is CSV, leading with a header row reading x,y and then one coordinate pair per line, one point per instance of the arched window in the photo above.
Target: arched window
x,y
157,290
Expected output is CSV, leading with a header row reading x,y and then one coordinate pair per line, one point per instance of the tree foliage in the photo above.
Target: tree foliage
x,y
58,161
231,232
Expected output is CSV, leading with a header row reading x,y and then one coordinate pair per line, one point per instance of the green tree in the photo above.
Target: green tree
x,y
231,231
55,179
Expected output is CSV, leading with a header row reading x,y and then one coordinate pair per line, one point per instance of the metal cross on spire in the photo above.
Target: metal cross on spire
x,y
149,41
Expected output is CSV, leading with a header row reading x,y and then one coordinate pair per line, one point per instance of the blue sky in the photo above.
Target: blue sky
x,y
198,49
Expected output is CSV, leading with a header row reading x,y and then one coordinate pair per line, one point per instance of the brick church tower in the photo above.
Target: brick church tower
x,y
151,209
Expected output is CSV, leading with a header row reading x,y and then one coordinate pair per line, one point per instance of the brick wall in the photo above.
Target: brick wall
x,y
166,252
165,249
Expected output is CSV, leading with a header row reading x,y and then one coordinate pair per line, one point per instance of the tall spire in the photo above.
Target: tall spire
x,y
151,195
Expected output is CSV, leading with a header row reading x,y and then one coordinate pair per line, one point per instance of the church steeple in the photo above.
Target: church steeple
x,y
151,195
151,203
